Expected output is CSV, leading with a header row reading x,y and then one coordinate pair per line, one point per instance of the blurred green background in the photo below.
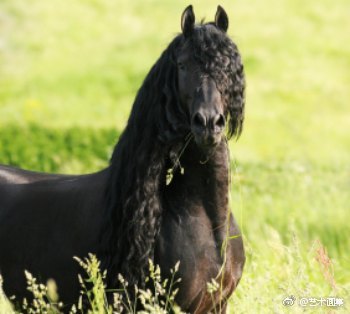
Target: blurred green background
x,y
69,71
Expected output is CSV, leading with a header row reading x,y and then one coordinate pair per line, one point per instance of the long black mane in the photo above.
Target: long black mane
x,y
157,127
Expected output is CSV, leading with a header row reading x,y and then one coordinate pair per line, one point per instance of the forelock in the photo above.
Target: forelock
x,y
215,53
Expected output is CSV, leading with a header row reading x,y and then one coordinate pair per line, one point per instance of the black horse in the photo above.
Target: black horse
x,y
164,195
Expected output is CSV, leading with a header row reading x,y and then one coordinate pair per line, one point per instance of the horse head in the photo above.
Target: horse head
x,y
210,79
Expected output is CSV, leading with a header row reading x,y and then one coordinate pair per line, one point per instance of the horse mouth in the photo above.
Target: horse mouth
x,y
207,141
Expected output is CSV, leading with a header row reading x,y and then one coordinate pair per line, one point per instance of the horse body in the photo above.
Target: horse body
x,y
46,220
130,212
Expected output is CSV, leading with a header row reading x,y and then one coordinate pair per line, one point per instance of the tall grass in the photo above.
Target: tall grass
x,y
157,298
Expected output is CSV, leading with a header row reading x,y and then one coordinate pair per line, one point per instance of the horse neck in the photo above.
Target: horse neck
x,y
204,184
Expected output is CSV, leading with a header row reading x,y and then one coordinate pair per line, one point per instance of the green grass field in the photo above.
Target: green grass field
x,y
69,71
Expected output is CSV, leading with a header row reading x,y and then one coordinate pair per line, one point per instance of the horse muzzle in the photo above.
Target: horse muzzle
x,y
207,129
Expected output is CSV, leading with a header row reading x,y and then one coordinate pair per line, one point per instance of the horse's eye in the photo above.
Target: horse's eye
x,y
181,66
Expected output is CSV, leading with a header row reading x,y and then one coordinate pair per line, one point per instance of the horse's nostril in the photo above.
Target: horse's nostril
x,y
198,120
219,121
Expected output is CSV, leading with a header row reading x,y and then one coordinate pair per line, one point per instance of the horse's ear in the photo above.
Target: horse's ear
x,y
221,19
187,21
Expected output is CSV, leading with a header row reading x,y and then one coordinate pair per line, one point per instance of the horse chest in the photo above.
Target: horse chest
x,y
192,241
